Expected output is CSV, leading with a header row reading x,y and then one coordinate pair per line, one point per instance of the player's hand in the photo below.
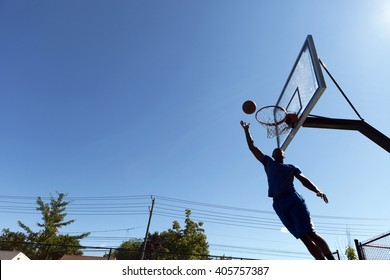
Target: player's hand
x,y
245,125
323,196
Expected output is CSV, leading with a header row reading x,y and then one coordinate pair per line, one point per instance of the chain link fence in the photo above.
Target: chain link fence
x,y
377,248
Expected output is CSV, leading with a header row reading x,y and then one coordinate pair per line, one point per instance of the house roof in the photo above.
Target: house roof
x,y
12,255
93,258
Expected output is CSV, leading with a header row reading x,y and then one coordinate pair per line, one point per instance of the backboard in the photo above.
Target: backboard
x,y
303,88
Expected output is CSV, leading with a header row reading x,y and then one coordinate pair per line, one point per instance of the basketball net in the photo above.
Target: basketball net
x,y
273,131
276,120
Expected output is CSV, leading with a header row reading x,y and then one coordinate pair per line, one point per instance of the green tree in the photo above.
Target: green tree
x,y
10,240
154,247
132,249
47,243
189,243
350,253
129,250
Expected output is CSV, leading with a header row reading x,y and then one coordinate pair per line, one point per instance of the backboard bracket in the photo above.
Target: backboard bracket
x,y
346,124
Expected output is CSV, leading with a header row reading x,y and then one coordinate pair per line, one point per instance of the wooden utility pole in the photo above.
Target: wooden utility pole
x,y
147,229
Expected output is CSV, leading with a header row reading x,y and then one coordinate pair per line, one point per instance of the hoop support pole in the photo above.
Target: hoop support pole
x,y
344,124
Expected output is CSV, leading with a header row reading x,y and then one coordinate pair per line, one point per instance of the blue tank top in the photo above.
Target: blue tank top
x,y
280,176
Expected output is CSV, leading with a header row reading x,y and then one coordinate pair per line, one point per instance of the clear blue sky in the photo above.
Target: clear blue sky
x,y
114,101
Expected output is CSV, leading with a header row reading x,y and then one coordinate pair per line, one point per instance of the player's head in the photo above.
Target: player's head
x,y
278,155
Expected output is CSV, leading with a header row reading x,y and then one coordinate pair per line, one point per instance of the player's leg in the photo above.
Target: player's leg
x,y
311,238
321,244
312,247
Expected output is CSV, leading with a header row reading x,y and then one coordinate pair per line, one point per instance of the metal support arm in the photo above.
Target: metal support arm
x,y
360,125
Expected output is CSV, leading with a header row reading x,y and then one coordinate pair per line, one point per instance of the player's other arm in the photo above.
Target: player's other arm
x,y
255,151
309,184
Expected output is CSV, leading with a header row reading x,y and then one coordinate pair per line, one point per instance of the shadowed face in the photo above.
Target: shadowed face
x,y
278,155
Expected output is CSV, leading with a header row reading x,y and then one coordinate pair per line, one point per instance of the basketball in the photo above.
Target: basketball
x,y
291,120
249,107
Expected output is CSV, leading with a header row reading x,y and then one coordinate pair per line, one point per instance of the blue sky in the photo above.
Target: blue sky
x,y
113,102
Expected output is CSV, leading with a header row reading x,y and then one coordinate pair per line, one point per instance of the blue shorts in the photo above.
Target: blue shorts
x,y
292,211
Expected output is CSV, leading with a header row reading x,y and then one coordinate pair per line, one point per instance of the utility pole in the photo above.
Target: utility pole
x,y
147,229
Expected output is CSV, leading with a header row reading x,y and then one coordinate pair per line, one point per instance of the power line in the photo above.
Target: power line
x,y
174,208
95,231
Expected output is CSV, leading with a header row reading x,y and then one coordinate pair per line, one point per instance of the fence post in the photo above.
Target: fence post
x,y
359,249
338,254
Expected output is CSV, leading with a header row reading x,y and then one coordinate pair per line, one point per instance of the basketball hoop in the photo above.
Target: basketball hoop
x,y
276,120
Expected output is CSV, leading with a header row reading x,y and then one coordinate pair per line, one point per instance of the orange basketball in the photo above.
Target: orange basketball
x,y
291,120
249,107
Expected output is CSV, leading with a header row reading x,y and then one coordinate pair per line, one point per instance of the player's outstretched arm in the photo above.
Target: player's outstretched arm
x,y
255,151
308,184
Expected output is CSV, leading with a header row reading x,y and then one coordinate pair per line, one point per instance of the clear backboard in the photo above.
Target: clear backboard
x,y
303,88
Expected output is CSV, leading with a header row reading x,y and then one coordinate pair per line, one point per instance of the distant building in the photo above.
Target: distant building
x,y
85,258
13,255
